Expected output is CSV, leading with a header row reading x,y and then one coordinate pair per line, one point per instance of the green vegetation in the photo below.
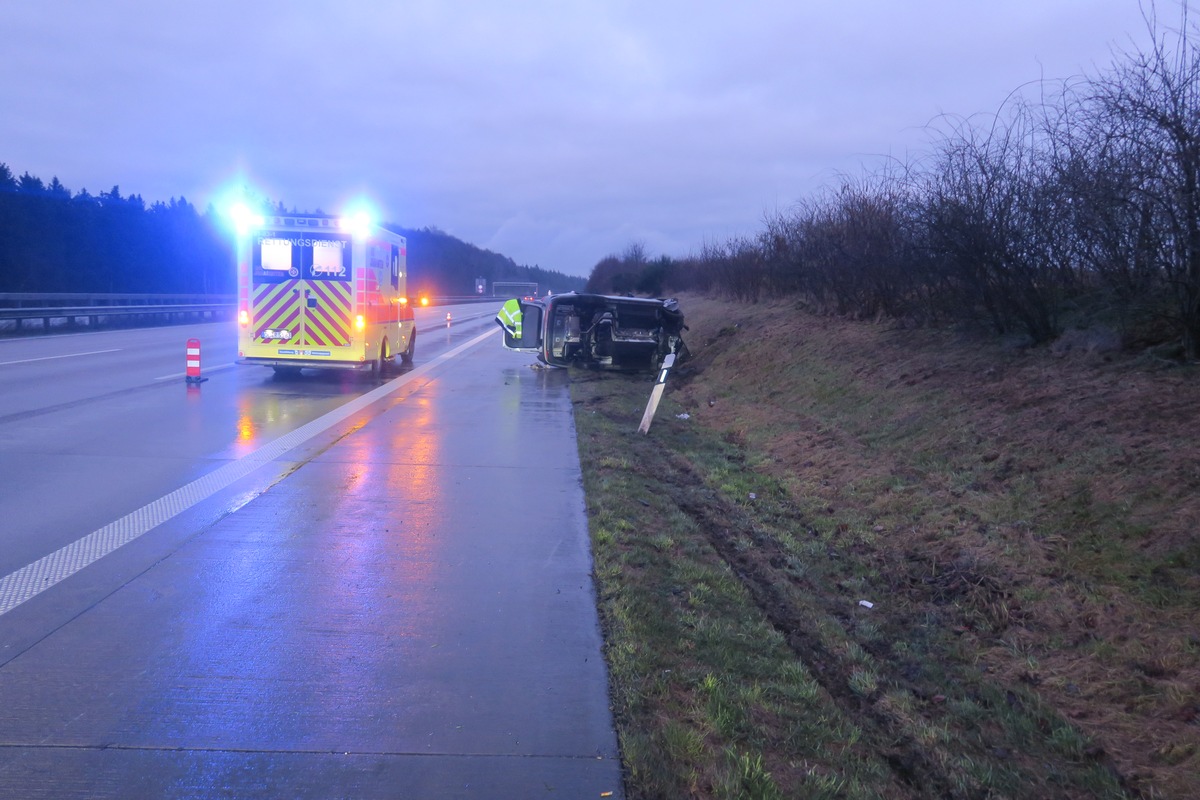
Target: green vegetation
x,y
56,241
733,549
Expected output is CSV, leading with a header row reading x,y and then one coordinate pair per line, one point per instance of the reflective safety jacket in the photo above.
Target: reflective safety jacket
x,y
509,318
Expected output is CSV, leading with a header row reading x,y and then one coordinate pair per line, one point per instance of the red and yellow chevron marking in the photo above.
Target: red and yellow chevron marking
x,y
285,305
277,305
327,324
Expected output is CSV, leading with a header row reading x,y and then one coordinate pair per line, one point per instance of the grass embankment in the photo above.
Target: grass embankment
x,y
1022,526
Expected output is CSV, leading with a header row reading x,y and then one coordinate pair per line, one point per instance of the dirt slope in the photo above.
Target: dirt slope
x,y
1047,499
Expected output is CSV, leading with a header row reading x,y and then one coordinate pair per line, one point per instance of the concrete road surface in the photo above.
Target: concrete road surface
x,y
406,612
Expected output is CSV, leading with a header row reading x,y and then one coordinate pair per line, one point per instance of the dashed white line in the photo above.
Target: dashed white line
x,y
176,376
35,578
67,355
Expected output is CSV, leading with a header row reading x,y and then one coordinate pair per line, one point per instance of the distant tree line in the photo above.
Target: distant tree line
x,y
633,272
444,265
1079,209
52,240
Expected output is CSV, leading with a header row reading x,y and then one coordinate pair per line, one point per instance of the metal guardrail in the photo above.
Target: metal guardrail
x,y
467,298
67,310
55,299
34,312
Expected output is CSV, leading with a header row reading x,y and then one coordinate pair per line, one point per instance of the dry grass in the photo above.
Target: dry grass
x,y
1044,507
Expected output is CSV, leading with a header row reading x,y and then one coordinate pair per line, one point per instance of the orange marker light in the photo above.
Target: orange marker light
x,y
243,317
359,323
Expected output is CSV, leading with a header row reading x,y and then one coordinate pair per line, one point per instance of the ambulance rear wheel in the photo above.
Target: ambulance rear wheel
x,y
380,365
406,358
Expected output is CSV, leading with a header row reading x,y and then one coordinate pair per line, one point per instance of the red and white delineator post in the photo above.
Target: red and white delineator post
x,y
193,362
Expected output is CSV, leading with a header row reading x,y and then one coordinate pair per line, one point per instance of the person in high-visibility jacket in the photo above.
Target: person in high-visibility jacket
x,y
509,318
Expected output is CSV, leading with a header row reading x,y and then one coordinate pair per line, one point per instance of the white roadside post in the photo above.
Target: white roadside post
x,y
657,393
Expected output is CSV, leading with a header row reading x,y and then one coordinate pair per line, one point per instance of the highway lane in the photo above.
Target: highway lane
x,y
96,425
342,621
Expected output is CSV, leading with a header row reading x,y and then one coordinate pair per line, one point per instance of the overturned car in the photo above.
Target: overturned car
x,y
595,331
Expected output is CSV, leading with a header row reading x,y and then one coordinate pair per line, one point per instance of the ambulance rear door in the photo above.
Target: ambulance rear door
x,y
302,293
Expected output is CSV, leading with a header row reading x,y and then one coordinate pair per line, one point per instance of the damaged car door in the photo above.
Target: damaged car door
x,y
598,331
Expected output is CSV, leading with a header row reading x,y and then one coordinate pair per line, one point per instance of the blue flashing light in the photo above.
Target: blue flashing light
x,y
245,219
358,224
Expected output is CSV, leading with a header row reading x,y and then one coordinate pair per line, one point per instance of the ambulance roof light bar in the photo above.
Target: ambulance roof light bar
x,y
245,219
358,224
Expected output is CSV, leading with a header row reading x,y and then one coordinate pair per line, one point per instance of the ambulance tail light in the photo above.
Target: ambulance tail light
x,y
244,318
359,322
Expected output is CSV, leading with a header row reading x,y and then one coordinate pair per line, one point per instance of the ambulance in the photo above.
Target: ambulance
x,y
322,292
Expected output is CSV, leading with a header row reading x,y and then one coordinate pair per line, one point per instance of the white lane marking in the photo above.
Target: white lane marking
x,y
178,375
68,355
35,578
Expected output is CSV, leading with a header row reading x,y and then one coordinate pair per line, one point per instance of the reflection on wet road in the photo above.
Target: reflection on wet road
x,y
400,605
44,573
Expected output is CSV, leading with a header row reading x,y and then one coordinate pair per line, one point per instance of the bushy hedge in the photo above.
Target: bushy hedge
x,y
1080,208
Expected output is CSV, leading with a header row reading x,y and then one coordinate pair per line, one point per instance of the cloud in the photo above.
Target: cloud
x,y
555,133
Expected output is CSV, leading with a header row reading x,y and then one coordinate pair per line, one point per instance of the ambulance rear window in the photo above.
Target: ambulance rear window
x,y
280,256
276,255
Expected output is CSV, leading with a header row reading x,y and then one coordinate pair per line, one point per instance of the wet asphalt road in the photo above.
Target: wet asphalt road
x,y
386,593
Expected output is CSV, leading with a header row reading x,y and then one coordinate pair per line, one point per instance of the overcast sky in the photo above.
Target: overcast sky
x,y
553,132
